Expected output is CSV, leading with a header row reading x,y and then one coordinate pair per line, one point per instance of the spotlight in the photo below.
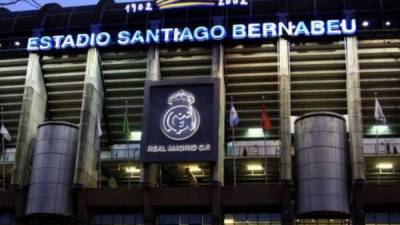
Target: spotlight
x,y
384,166
17,43
388,23
365,23
132,169
255,167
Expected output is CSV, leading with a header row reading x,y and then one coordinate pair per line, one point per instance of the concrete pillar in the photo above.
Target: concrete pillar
x,y
354,108
284,109
32,114
86,173
217,71
150,170
285,136
355,128
217,169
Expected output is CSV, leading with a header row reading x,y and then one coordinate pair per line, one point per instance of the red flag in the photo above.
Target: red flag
x,y
265,122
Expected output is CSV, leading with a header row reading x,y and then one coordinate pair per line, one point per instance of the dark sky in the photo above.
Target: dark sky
x,y
23,5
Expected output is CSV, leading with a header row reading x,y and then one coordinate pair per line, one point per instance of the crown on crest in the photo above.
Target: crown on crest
x,y
181,97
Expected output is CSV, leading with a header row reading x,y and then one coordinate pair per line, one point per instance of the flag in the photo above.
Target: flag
x,y
379,116
125,129
265,121
99,131
5,133
233,117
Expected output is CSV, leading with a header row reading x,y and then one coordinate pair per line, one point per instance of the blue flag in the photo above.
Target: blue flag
x,y
233,117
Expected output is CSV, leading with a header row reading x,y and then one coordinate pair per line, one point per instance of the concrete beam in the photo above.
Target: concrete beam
x,y
285,109
86,171
32,114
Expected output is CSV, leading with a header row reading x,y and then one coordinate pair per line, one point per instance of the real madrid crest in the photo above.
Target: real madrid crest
x,y
181,119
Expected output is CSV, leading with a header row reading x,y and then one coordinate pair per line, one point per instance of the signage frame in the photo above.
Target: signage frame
x,y
214,124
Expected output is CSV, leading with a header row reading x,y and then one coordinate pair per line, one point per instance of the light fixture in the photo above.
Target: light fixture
x,y
365,23
17,43
255,167
388,23
135,136
132,169
380,129
229,221
194,168
255,132
384,166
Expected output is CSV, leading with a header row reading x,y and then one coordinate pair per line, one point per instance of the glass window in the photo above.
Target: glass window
x,y
206,219
195,219
173,219
129,219
116,219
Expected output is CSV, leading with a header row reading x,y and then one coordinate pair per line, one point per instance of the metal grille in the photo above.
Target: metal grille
x,y
251,73
64,76
124,75
12,81
318,77
185,62
380,72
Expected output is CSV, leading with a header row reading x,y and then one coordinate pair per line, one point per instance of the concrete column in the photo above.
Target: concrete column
x,y
86,173
355,129
285,136
32,114
354,108
150,170
217,70
284,109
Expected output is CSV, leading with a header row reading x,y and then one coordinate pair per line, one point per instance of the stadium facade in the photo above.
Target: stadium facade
x,y
201,112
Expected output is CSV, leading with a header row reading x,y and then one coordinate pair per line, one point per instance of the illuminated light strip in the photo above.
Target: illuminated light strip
x,y
187,4
160,4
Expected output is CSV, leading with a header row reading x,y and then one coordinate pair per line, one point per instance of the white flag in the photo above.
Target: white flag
x,y
234,119
5,133
379,116
99,132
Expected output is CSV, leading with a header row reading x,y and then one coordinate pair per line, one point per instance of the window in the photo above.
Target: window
x,y
117,219
184,219
252,219
374,218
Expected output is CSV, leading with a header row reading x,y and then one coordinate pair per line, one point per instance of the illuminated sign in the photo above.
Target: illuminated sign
x,y
180,122
137,6
198,34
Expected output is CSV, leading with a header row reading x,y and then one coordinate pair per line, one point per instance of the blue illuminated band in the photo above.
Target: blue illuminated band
x,y
198,34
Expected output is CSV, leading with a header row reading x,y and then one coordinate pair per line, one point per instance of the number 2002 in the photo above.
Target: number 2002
x,y
232,2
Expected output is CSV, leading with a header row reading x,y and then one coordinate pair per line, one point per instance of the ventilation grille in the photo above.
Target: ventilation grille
x,y
380,73
185,62
64,76
12,81
318,77
124,75
251,73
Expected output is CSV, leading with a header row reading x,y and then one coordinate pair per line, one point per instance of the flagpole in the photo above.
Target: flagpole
x,y
233,150
265,149
377,137
127,141
3,151
98,146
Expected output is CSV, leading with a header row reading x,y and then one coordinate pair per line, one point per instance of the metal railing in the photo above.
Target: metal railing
x,y
258,149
